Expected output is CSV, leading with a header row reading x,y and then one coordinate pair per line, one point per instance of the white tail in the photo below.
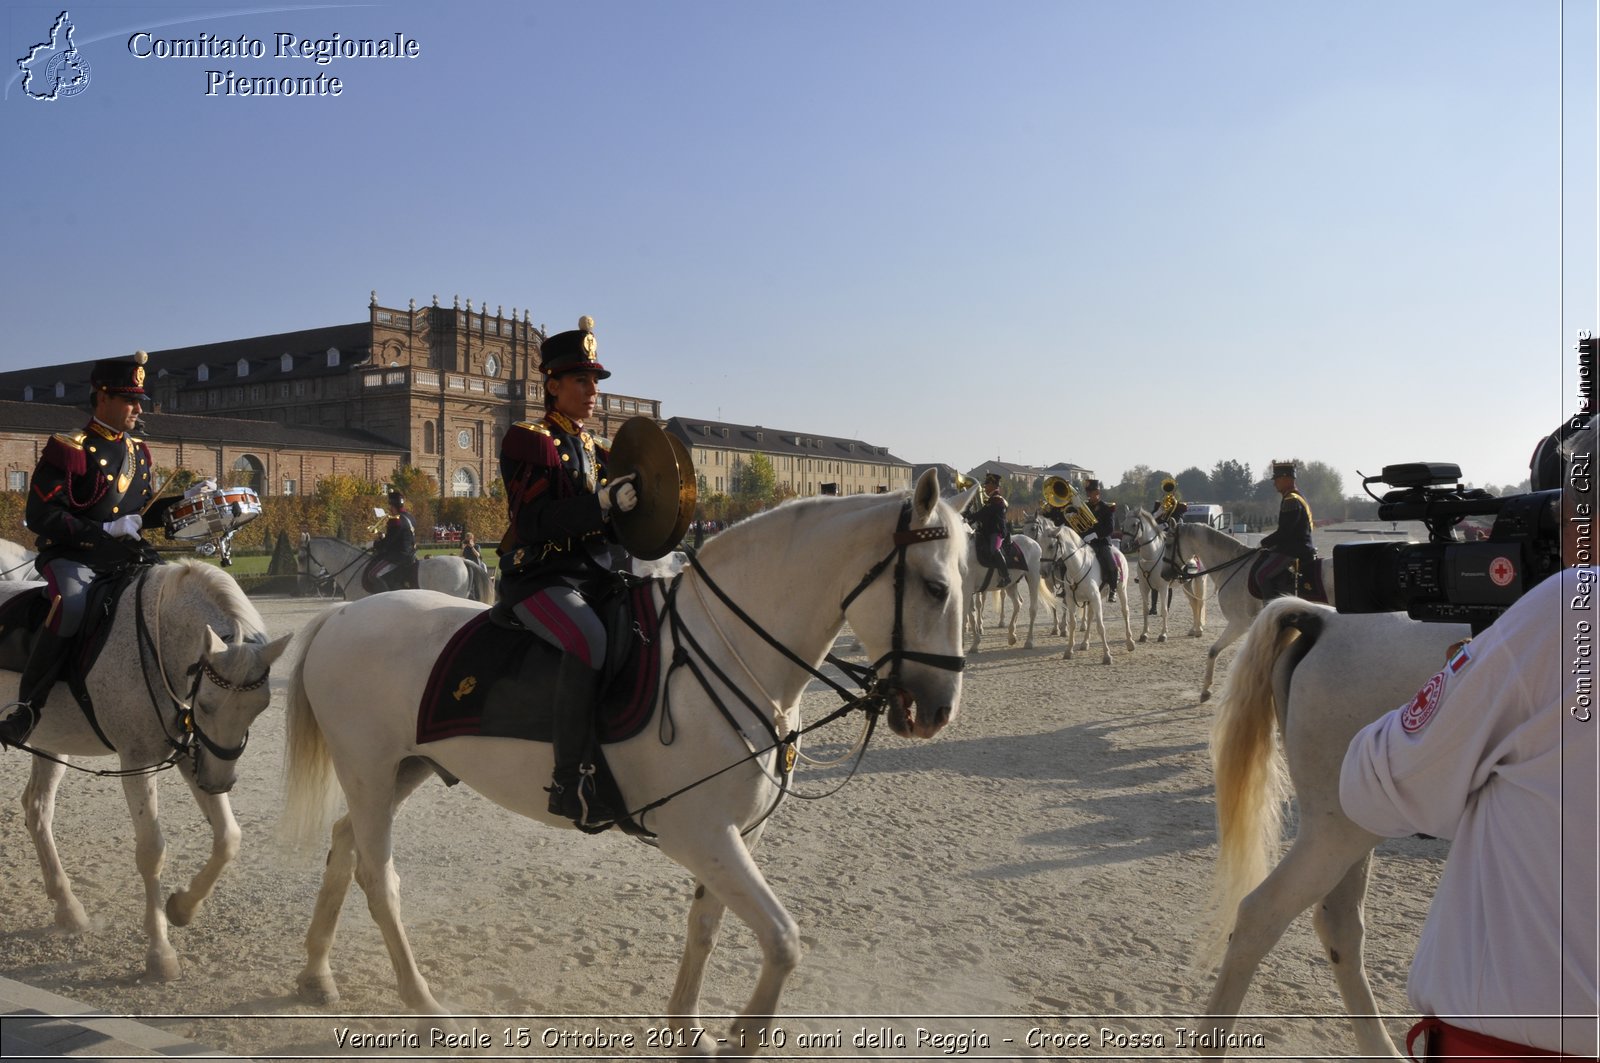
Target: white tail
x,y
1251,780
308,779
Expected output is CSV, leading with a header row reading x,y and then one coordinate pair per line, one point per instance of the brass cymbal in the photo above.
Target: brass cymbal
x,y
665,482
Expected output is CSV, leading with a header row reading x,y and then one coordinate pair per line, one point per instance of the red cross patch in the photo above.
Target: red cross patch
x,y
1415,716
1502,571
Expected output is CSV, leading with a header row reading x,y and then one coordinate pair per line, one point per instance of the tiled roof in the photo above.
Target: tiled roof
x,y
308,348
45,417
775,441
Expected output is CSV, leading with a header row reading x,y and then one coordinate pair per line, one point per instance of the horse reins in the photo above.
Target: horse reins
x,y
689,653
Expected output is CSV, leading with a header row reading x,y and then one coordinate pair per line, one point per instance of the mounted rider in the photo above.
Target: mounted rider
x,y
1289,550
1168,511
993,536
1099,537
560,553
89,497
394,553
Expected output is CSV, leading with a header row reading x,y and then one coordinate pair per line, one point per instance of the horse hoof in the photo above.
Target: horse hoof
x,y
1144,638
317,989
179,913
161,967
1161,638
72,919
1205,696
1106,659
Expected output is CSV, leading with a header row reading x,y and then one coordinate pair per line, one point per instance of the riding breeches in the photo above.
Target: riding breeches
x,y
562,617
67,582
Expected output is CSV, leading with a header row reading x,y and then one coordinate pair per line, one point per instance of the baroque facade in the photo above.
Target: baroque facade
x,y
440,383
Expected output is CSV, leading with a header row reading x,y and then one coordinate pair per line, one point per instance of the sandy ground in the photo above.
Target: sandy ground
x,y
1042,865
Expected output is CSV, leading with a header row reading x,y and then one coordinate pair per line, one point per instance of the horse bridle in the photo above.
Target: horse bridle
x,y
875,689
187,717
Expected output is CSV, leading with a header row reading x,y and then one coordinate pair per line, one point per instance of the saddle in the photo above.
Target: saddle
x,y
22,616
1270,571
1013,568
382,572
495,680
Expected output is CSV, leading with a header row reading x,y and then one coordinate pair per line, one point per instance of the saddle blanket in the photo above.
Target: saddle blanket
x,y
496,682
1267,565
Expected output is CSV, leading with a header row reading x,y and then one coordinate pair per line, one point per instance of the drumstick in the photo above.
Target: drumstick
x,y
155,496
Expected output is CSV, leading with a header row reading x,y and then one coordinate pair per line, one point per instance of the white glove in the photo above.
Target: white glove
x,y
619,493
124,527
203,487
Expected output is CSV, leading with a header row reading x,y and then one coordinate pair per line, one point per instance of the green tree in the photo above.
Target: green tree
x,y
1230,481
1194,483
1323,488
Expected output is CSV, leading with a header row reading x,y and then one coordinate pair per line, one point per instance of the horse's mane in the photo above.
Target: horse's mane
x,y
793,509
226,592
1223,539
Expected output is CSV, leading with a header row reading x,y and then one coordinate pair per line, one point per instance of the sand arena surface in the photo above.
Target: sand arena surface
x,y
1043,864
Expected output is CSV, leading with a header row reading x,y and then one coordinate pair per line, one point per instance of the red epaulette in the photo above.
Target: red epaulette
x,y
65,452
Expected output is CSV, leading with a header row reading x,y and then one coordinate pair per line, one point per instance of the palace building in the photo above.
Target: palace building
x,y
801,463
438,384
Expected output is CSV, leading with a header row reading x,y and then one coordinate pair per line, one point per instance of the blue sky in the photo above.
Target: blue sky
x,y
1146,232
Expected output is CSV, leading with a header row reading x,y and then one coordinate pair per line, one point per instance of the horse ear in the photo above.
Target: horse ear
x,y
963,499
925,496
274,649
214,644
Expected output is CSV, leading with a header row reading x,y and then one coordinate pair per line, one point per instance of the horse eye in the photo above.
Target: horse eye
x,y
939,590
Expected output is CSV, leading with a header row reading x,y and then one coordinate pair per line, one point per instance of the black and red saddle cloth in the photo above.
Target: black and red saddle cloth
x,y
495,681
372,583
995,578
1309,587
23,615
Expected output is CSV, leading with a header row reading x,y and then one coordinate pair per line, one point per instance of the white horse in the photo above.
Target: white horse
x,y
1346,671
1227,561
1077,572
167,690
445,573
977,574
1159,569
16,561
893,572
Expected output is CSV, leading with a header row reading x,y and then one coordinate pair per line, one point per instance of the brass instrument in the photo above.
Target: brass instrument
x,y
964,482
1170,499
1058,493
380,520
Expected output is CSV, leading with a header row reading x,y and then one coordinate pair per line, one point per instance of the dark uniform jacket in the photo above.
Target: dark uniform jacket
x,y
551,469
85,479
399,540
1105,515
1293,536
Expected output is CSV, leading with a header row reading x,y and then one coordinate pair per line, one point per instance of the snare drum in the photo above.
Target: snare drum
x,y
213,513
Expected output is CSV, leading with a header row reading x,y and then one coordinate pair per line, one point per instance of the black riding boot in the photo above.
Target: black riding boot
x,y
38,676
572,790
1155,601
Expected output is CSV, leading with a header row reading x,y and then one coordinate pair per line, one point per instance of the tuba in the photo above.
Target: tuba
x,y
1170,499
1057,493
963,482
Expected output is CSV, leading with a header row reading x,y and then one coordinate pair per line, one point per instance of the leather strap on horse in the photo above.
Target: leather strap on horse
x,y
872,699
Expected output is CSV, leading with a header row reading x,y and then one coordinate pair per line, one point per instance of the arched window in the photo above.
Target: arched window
x,y
427,437
464,484
202,373
286,363
244,367
249,472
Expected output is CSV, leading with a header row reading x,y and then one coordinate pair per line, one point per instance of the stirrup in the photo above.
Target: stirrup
x,y
17,725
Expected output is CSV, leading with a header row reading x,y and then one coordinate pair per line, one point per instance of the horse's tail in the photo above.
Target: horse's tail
x,y
1251,781
482,586
309,782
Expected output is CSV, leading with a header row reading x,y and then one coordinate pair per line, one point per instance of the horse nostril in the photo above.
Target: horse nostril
x,y
942,717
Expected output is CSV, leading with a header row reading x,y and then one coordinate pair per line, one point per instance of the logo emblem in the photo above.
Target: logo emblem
x,y
55,69
1415,716
468,685
1502,571
138,376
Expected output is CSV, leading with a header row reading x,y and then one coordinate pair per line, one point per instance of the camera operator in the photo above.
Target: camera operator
x,y
1498,754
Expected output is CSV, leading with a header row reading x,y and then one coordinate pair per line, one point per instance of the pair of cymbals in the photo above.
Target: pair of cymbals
x,y
665,481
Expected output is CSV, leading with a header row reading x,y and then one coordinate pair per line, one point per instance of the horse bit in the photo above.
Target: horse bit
x,y
875,690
